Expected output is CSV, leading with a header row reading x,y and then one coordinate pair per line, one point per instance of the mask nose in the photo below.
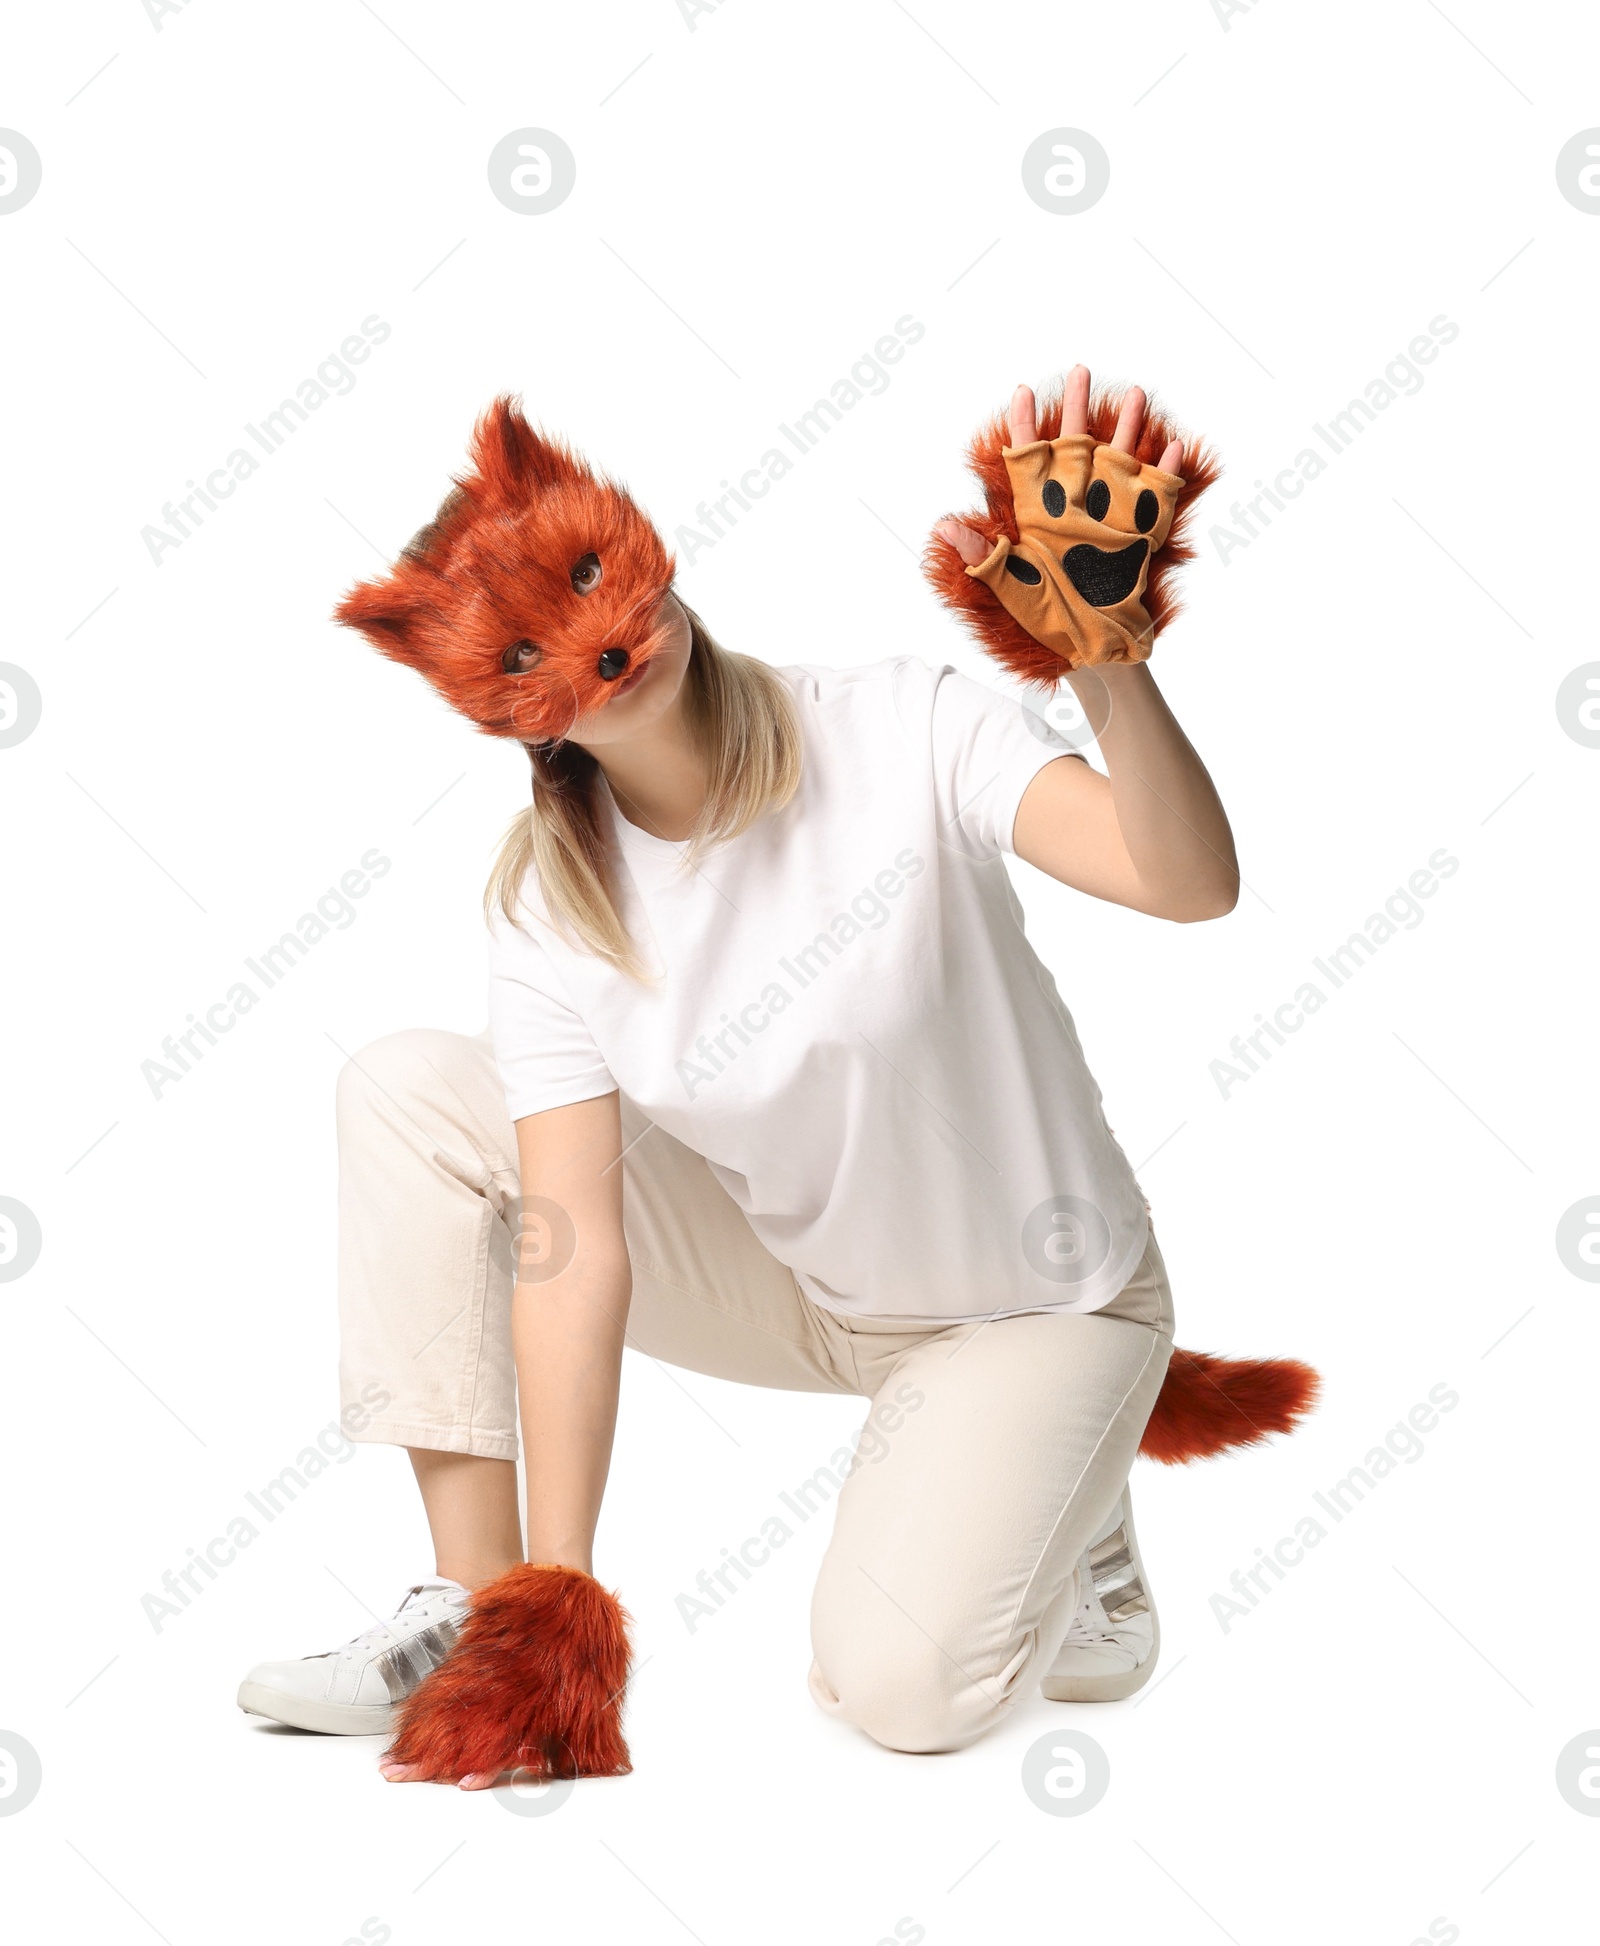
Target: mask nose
x,y
612,663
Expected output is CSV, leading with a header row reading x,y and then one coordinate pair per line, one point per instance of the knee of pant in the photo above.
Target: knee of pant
x,y
386,1071
913,1699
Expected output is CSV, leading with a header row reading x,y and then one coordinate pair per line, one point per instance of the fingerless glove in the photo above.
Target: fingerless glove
x,y
1088,518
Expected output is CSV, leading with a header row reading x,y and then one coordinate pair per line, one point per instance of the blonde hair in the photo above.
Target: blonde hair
x,y
741,717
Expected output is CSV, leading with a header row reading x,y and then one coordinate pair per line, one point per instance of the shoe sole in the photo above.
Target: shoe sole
x,y
1105,1689
307,1713
1122,1683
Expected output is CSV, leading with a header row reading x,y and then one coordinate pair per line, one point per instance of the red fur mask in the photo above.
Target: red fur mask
x,y
534,590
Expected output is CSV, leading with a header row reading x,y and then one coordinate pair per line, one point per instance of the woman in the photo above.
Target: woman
x,y
775,1089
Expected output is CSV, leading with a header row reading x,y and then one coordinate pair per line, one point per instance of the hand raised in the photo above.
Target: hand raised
x,y
1089,518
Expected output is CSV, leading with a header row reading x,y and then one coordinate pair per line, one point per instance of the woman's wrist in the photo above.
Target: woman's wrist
x,y
1095,683
1102,689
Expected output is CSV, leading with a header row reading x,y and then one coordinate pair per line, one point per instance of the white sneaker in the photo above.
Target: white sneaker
x,y
351,1692
1112,1642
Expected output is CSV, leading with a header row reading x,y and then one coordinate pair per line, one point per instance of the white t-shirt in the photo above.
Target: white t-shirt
x,y
850,1024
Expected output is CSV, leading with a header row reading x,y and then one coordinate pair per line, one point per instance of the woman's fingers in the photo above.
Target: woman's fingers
x,y
414,1773
968,543
1075,401
1022,417
1022,423
1129,421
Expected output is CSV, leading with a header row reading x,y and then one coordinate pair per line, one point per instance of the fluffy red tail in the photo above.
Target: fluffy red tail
x,y
1209,1404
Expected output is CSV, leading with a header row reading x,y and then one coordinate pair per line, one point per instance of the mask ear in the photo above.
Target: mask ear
x,y
513,460
388,614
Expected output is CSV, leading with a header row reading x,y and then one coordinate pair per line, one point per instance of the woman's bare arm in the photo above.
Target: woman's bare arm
x,y
1153,834
568,1319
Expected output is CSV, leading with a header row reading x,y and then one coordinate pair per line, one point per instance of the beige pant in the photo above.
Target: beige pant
x,y
993,1451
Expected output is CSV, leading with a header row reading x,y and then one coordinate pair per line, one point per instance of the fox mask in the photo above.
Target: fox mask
x,y
534,590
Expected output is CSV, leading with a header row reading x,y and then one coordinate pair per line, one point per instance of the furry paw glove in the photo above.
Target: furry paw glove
x,y
534,1683
1083,540
1088,518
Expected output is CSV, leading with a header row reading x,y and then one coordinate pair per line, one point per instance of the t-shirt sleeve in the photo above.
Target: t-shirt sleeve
x,y
987,749
546,1055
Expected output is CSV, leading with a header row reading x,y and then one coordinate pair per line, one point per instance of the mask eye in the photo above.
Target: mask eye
x,y
520,658
587,574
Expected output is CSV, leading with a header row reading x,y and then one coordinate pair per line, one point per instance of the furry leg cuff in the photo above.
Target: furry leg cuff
x,y
534,1683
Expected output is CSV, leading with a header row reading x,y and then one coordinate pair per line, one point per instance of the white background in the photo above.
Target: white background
x,y
1295,194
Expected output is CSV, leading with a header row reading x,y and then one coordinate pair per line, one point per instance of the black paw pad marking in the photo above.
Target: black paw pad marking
x,y
1054,497
1101,577
1025,571
1097,501
1146,511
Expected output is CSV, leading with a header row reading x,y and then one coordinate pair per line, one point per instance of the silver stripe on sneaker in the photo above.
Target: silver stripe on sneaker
x,y
1117,1586
404,1666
